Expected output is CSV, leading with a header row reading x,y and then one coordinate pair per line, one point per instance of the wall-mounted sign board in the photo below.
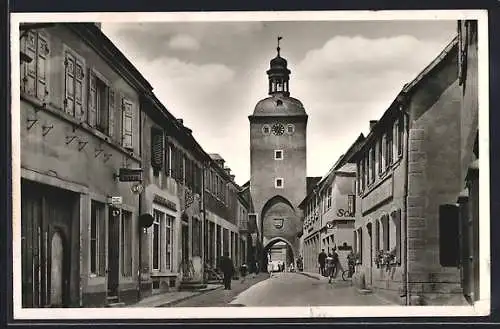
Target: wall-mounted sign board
x,y
130,175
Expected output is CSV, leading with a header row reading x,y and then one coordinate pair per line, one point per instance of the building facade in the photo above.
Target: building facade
x,y
221,209
468,202
278,129
80,113
409,174
330,209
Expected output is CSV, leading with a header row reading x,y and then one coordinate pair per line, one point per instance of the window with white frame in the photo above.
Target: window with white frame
x,y
169,242
126,243
278,183
161,235
278,154
34,74
97,239
155,246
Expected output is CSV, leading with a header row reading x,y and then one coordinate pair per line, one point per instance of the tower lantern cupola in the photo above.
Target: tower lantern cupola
x,y
279,74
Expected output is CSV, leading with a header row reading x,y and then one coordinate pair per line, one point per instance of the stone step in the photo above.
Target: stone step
x,y
119,304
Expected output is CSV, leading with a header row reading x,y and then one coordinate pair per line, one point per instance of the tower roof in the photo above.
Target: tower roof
x,y
279,105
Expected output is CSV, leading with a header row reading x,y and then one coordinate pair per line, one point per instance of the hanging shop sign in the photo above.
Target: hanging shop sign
x,y
146,220
130,174
115,200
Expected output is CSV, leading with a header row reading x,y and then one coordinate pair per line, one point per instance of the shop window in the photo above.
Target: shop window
x,y
169,235
396,218
449,235
386,236
97,239
126,243
378,228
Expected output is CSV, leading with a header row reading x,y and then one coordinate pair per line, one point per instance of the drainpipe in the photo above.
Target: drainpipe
x,y
406,123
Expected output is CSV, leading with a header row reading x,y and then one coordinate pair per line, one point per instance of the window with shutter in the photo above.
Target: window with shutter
x,y
127,108
29,79
69,64
111,112
41,68
92,100
156,148
168,158
78,101
74,68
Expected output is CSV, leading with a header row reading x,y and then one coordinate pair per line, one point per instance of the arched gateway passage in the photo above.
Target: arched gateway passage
x,y
280,250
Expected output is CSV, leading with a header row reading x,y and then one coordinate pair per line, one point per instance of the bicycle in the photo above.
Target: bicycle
x,y
347,274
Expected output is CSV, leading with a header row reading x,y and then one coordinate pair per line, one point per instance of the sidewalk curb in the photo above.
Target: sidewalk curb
x,y
174,302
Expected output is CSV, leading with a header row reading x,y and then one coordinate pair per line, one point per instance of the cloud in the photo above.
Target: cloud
x,y
349,81
183,42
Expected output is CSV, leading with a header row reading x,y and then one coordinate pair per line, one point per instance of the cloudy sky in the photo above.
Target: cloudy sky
x,y
211,74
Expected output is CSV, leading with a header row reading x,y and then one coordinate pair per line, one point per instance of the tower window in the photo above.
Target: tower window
x,y
266,130
278,183
279,102
278,154
290,128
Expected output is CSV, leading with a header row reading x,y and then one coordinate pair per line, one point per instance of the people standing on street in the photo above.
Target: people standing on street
x,y
336,262
321,260
243,272
330,267
227,268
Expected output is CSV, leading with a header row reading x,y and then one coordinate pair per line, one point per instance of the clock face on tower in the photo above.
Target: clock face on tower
x,y
278,129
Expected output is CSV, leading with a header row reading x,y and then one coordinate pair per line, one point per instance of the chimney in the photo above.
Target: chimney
x,y
180,121
232,177
228,171
373,123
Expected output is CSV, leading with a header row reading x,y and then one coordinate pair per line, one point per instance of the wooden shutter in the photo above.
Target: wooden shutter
x,y
167,159
42,52
126,123
69,83
79,76
91,115
156,148
30,74
111,112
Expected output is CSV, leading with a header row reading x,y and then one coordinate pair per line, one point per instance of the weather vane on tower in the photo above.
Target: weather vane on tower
x,y
279,38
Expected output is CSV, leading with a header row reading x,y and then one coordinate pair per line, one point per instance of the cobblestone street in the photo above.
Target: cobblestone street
x,y
221,297
294,289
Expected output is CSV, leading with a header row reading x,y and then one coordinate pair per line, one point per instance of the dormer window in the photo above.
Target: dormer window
x,y
279,102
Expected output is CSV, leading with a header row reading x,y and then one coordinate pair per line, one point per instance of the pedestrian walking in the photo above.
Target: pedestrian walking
x,y
227,268
243,272
321,261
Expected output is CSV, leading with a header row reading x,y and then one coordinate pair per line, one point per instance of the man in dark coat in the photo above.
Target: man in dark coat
x,y
227,268
321,260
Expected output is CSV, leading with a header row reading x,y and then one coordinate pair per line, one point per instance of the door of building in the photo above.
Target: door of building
x,y
46,221
57,276
113,270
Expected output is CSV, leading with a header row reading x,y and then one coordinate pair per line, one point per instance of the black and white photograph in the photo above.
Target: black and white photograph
x,y
250,164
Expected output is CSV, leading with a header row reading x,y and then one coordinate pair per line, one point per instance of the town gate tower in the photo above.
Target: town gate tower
x,y
278,129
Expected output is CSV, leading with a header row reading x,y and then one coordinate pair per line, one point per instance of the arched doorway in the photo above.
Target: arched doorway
x,y
57,269
278,249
